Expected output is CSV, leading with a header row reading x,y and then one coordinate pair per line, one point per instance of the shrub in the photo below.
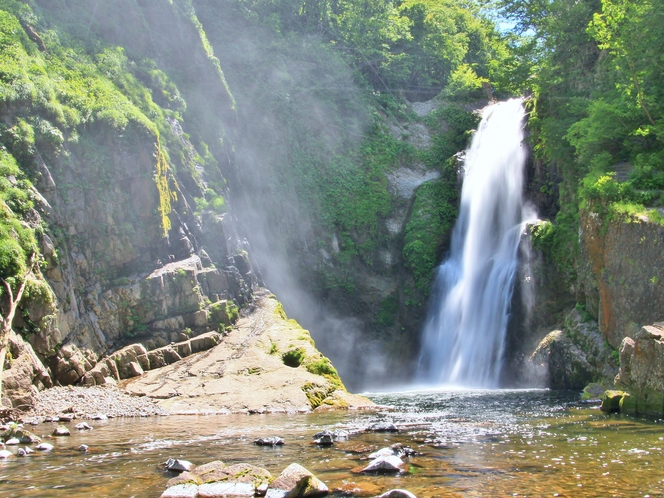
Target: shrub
x,y
294,357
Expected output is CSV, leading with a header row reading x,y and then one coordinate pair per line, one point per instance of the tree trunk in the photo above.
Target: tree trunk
x,y
7,320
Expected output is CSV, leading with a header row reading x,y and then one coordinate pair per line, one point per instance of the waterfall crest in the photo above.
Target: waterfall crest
x,y
463,337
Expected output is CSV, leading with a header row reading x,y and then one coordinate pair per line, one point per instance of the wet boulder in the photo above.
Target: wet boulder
x,y
226,490
611,401
383,427
24,436
61,431
296,482
176,465
4,454
181,491
397,493
384,464
44,447
269,441
324,440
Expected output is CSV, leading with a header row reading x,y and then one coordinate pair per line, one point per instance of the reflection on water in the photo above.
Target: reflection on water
x,y
473,443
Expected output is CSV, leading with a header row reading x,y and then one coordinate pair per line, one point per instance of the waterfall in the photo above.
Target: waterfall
x,y
464,333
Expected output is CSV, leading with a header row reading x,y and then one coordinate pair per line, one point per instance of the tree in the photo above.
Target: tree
x,y
9,312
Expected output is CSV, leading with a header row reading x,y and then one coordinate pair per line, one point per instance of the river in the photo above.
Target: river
x,y
471,443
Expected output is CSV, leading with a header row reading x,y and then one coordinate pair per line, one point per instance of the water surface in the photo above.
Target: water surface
x,y
472,443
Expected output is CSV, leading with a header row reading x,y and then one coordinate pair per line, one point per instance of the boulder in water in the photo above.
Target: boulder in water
x,y
12,441
44,447
269,441
383,427
4,454
325,440
84,426
175,465
181,491
226,490
385,464
611,401
61,430
397,493
296,482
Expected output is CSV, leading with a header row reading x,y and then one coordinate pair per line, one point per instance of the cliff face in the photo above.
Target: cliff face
x,y
623,272
130,217
148,175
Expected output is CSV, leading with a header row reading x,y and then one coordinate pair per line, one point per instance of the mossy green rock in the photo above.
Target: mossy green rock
x,y
628,404
611,401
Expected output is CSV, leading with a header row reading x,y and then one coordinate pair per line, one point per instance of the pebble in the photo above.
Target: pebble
x,y
84,448
28,450
21,452
94,402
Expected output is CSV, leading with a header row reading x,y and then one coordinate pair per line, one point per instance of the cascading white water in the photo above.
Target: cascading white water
x,y
464,332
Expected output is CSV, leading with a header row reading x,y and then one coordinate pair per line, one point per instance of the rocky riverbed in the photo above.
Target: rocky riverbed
x,y
91,402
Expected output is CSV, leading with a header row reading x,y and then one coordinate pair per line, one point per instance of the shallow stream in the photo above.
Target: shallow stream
x,y
472,443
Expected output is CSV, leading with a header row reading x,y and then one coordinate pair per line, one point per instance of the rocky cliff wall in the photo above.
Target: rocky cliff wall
x,y
136,237
622,271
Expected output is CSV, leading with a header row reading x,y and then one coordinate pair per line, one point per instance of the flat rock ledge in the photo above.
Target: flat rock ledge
x,y
266,364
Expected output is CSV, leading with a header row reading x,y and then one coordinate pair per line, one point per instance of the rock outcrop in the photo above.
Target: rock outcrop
x,y
642,371
622,272
267,363
572,357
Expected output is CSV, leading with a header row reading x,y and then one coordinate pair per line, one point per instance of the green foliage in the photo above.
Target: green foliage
x,y
412,46
388,310
294,357
432,219
585,316
211,202
322,366
597,108
464,83
436,202
17,238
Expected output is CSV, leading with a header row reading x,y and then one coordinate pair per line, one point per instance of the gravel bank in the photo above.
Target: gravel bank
x,y
89,402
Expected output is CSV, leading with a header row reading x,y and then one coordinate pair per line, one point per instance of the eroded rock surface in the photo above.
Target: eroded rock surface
x,y
249,371
572,357
642,370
